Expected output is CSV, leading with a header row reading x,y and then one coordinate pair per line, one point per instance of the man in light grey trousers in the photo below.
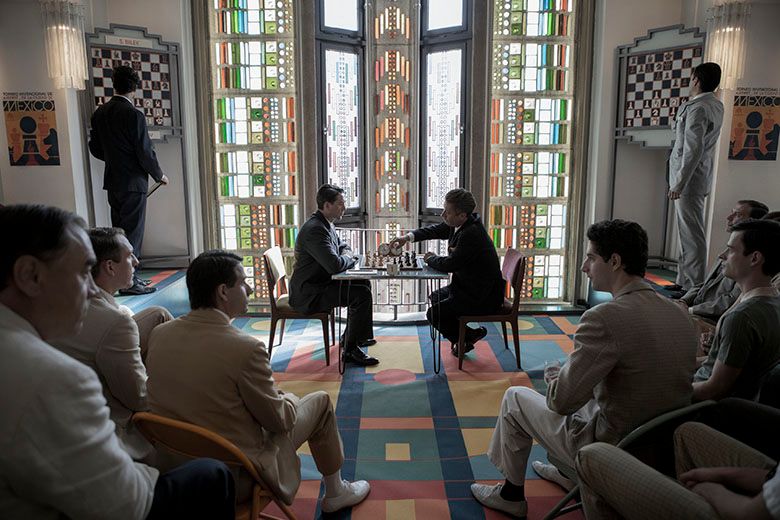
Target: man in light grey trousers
x,y
697,128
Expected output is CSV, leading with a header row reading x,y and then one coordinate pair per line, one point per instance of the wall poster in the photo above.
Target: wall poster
x,y
755,125
31,128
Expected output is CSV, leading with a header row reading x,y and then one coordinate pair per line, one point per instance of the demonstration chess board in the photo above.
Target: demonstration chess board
x,y
153,96
408,261
656,84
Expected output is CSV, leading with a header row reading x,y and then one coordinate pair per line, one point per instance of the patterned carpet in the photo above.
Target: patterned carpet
x,y
418,437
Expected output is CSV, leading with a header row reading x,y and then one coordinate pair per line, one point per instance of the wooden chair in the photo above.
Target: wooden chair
x,y
513,272
194,442
276,276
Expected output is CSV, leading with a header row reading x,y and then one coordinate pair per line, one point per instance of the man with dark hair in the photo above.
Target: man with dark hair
x,y
624,370
697,128
477,286
113,341
707,301
59,456
205,371
319,254
746,341
120,138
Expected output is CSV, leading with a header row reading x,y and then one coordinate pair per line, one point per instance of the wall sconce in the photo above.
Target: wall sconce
x,y
726,26
66,53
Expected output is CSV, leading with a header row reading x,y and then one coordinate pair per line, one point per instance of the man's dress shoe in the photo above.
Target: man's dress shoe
x,y
136,290
358,357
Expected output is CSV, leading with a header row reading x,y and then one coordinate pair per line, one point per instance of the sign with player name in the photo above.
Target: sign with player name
x,y
655,74
156,63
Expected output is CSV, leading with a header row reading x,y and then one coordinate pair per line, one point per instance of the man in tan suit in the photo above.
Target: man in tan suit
x,y
633,359
113,341
205,371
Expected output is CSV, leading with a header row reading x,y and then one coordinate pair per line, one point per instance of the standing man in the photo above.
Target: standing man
x,y
319,254
697,128
622,372
120,138
477,285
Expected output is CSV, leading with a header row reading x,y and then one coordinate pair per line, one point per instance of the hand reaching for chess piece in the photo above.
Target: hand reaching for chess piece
x,y
428,255
398,243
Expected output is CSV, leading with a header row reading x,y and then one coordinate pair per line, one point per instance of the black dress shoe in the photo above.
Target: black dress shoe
x,y
141,281
358,357
469,347
368,342
474,335
137,289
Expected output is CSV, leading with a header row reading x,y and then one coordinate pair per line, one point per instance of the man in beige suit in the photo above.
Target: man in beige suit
x,y
205,371
633,359
113,341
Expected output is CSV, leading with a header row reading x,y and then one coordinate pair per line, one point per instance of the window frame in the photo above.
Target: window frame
x,y
326,32
462,31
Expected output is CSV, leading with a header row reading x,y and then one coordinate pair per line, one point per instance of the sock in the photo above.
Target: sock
x,y
512,492
334,486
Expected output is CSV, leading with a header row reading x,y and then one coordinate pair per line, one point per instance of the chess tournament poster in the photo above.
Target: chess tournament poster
x,y
31,128
755,125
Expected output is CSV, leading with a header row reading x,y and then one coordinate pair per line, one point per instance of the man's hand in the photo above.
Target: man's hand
x,y
399,242
164,180
551,371
674,195
428,255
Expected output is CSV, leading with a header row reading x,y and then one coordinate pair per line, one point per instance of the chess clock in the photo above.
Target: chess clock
x,y
654,75
157,64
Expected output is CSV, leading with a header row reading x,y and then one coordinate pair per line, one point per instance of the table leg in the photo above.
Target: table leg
x,y
342,363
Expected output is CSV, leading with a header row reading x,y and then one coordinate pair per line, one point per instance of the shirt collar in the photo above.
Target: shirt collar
x,y
125,98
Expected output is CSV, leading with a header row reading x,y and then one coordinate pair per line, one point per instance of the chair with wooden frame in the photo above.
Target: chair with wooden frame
x,y
276,276
513,272
191,441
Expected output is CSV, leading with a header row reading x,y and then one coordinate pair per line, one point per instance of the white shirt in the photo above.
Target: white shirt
x,y
771,494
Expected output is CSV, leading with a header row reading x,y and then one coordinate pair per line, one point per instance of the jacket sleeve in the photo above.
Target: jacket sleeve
x,y
595,355
319,245
460,256
95,144
119,359
690,296
69,458
274,410
439,231
693,144
143,148
726,295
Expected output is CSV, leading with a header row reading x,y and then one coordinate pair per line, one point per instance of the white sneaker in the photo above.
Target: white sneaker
x,y
490,496
551,473
354,493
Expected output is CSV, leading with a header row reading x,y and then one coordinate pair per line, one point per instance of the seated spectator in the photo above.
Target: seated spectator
x,y
633,359
59,456
707,301
204,371
718,477
746,342
774,215
112,342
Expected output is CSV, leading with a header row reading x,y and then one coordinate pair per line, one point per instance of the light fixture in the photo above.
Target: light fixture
x,y
66,53
726,26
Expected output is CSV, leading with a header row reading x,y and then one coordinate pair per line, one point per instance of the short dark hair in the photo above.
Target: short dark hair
x,y
708,75
462,200
125,79
625,238
761,235
105,244
328,193
757,209
772,215
40,231
207,272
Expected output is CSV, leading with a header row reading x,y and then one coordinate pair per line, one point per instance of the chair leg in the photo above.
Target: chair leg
x,y
461,343
506,340
325,337
333,326
561,509
271,339
516,338
281,331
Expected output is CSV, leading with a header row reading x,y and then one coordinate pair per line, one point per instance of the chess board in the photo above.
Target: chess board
x,y
373,260
153,96
656,84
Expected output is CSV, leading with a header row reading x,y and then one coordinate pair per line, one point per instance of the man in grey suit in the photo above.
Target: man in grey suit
x,y
697,128
707,301
59,456
633,359
319,254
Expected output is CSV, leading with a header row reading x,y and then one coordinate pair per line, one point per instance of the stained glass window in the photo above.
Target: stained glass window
x,y
443,125
255,120
342,124
530,137
341,14
444,13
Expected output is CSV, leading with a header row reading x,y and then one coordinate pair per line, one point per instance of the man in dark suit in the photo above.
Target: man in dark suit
x,y
477,286
120,138
319,254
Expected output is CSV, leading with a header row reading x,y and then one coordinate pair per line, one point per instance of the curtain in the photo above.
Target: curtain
x,y
726,25
63,22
